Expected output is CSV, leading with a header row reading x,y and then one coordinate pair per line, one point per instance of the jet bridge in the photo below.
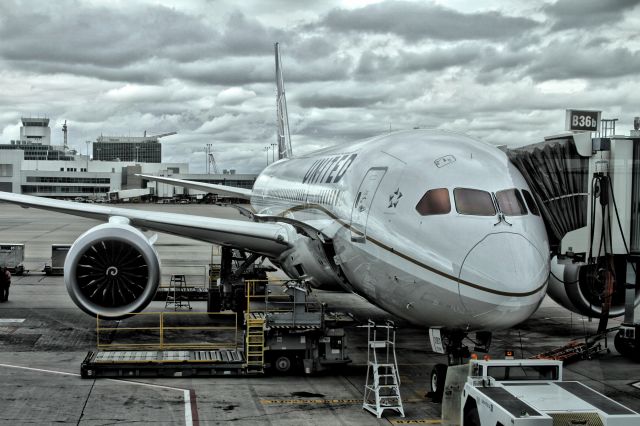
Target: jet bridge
x,y
588,193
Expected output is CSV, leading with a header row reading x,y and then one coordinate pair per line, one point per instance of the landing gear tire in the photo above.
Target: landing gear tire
x,y
438,376
282,364
471,417
626,347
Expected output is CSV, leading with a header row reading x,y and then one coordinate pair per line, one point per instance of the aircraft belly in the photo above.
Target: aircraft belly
x,y
426,297
416,295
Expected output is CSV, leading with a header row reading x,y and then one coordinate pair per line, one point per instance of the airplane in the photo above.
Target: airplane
x,y
434,227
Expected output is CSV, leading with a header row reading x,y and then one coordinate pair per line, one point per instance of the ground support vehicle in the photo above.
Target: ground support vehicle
x,y
12,256
281,332
525,393
58,256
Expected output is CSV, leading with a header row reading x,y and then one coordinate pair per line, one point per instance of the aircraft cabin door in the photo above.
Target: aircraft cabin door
x,y
362,204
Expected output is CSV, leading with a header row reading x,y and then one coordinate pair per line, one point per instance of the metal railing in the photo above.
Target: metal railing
x,y
162,332
260,290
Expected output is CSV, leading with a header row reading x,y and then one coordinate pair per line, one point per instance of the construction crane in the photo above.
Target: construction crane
x,y
212,164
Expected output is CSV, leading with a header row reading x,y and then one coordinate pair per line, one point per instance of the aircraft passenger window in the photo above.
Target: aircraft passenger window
x,y
435,201
474,202
510,202
533,208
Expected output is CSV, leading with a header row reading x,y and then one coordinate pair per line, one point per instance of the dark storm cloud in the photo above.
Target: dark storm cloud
x,y
339,100
228,72
418,21
588,13
244,36
395,65
498,62
79,34
313,47
148,72
568,61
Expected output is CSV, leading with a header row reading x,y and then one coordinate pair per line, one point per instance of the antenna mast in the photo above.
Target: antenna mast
x,y
283,136
64,131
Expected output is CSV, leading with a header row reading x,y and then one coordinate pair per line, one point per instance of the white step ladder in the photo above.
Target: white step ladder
x,y
382,392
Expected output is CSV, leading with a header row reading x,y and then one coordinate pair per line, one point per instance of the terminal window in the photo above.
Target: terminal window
x,y
6,170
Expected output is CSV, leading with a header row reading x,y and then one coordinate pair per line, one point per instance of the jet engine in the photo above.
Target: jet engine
x,y
581,287
112,270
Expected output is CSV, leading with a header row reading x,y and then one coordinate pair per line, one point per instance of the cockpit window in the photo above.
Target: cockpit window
x,y
435,201
510,202
533,208
473,202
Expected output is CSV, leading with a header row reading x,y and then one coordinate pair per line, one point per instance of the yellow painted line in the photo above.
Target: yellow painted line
x,y
417,422
309,401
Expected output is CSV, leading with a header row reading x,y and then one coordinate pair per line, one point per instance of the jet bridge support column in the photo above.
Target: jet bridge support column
x,y
630,294
627,340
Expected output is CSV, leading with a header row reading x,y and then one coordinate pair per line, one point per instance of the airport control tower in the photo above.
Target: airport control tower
x,y
35,130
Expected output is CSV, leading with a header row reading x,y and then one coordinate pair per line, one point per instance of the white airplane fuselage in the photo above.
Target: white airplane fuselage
x,y
456,270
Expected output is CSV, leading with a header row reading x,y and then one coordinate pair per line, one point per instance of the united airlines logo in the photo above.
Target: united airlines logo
x,y
329,169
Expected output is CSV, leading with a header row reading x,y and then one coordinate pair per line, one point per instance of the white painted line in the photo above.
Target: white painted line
x,y
11,320
188,418
636,385
40,370
147,384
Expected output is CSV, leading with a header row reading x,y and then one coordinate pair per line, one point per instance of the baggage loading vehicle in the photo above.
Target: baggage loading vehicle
x,y
12,256
58,256
280,333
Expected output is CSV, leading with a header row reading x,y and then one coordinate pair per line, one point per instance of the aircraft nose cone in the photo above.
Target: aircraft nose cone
x,y
503,272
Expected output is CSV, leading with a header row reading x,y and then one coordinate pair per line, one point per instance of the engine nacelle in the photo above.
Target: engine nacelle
x,y
112,270
579,287
308,260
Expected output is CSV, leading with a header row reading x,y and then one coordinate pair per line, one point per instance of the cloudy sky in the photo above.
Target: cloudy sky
x,y
502,71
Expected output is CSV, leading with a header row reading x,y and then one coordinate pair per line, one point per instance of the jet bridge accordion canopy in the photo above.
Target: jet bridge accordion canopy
x,y
558,178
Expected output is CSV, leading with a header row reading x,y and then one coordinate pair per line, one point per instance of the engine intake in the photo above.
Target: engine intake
x,y
580,287
112,270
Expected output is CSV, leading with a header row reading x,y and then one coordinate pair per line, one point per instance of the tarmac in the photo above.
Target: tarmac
x,y
44,338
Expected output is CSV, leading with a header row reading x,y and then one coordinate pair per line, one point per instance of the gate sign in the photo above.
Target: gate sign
x,y
582,120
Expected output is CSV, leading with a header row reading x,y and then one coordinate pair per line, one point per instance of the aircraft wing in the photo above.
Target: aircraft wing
x,y
201,186
270,239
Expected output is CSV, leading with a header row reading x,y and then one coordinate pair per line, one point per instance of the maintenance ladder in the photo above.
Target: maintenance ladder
x,y
254,347
177,294
383,393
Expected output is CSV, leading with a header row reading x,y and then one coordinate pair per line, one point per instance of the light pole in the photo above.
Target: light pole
x,y
87,142
208,164
273,152
266,149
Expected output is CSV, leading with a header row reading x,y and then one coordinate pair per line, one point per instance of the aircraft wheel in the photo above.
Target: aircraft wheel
x,y
626,347
471,417
438,376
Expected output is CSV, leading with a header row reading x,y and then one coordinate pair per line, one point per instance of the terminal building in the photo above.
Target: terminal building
x,y
33,166
144,149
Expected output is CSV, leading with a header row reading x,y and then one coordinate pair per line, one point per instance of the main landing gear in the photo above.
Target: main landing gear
x,y
450,343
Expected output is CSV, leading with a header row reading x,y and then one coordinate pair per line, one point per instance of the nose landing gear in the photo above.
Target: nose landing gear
x,y
450,343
